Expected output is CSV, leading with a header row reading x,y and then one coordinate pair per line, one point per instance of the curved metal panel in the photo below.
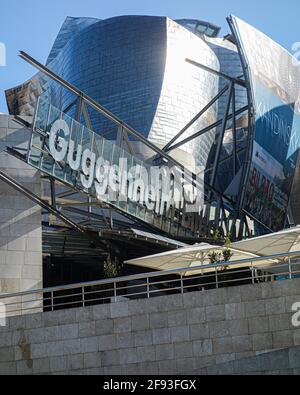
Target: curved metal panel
x,y
135,67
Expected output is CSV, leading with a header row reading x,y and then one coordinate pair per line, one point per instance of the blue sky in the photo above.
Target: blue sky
x,y
32,25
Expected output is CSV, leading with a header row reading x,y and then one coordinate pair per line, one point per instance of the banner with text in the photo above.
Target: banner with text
x,y
275,83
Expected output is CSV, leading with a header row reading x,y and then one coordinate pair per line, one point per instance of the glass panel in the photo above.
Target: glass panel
x,y
107,150
47,164
201,28
35,154
98,145
149,216
42,115
210,31
87,138
54,115
116,155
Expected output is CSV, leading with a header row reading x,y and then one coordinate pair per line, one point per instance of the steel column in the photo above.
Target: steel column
x,y
221,138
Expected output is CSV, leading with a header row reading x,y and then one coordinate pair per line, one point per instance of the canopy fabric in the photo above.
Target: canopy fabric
x,y
198,255
193,256
275,243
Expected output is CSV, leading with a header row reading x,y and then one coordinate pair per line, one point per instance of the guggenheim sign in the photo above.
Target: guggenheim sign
x,y
76,156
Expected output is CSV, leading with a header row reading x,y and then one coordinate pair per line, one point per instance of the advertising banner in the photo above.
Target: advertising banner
x,y
275,87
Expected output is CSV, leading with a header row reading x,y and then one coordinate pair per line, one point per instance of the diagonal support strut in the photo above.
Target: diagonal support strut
x,y
33,197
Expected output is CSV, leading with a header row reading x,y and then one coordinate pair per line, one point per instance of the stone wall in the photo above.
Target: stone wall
x,y
164,335
20,219
281,362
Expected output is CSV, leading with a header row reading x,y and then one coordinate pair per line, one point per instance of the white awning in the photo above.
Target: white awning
x,y
284,242
275,243
193,256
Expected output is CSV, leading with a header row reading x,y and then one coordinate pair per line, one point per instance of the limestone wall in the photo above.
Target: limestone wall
x,y
165,335
20,219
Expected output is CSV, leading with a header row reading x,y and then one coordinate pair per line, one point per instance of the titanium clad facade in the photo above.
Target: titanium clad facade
x,y
185,91
135,67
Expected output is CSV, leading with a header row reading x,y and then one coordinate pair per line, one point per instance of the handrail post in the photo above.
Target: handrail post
x,y
52,302
181,284
115,292
83,297
217,280
148,288
252,273
290,269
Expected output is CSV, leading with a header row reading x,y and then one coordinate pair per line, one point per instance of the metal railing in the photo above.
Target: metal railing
x,y
178,281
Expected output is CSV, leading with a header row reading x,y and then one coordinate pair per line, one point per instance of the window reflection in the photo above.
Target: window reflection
x,y
200,27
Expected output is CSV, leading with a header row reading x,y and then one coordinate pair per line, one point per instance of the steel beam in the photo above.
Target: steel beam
x,y
203,111
237,81
234,131
53,192
68,108
221,138
86,116
207,129
68,193
226,159
79,108
251,117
